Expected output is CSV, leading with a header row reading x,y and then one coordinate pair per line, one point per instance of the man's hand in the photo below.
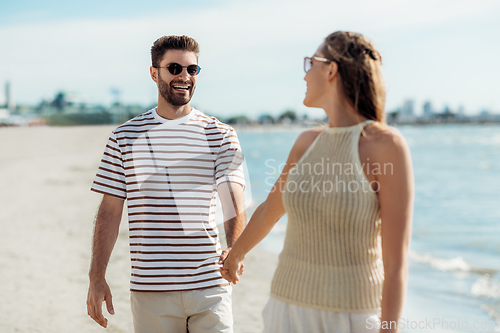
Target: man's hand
x,y
224,255
99,292
232,269
106,230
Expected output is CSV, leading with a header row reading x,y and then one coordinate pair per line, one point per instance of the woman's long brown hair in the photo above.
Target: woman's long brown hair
x,y
359,65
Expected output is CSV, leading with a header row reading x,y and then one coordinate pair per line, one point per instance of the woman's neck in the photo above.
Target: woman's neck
x,y
341,113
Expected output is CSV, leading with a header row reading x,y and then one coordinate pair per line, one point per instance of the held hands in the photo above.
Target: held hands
x,y
99,292
232,268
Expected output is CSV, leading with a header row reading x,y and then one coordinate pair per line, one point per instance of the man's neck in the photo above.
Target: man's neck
x,y
169,111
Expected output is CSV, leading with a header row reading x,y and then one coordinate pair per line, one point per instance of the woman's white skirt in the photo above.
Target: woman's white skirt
x,y
282,317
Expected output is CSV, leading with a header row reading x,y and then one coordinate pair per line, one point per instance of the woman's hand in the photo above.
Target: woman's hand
x,y
232,268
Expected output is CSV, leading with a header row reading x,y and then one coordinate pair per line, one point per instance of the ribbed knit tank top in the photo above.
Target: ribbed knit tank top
x,y
332,256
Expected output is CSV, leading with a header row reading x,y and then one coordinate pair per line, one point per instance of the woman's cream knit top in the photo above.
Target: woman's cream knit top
x,y
332,256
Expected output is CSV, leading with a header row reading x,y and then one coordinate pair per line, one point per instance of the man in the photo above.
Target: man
x,y
169,163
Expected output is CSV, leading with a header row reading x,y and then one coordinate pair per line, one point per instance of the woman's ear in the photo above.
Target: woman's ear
x,y
332,70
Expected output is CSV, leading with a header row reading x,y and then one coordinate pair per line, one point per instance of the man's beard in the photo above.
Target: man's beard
x,y
166,91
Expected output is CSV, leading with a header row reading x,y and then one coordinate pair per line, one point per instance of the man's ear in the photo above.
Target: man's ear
x,y
333,69
154,73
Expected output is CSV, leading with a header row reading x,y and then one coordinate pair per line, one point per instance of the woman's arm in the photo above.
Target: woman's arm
x,y
267,214
396,192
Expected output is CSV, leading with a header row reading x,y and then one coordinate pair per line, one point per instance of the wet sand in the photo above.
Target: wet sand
x,y
46,218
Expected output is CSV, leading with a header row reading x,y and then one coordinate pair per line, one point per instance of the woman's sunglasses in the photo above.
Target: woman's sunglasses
x,y
308,62
175,69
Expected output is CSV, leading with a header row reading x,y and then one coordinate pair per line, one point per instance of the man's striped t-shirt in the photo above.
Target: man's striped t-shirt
x,y
169,171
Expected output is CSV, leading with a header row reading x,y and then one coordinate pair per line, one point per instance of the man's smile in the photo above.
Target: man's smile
x,y
180,87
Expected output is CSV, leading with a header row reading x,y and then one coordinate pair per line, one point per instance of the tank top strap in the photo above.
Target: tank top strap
x,y
361,126
358,128
366,122
355,139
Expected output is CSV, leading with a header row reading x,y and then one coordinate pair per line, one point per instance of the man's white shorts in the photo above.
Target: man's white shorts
x,y
204,310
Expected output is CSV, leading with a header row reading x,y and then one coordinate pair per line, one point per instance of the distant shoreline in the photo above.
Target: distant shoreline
x,y
293,127
100,118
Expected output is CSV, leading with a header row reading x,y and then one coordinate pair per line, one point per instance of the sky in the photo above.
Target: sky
x,y
444,51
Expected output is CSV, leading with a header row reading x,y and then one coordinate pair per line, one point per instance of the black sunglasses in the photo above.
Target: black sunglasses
x,y
175,69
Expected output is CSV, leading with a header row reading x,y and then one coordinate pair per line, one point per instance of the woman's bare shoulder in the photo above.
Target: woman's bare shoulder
x,y
310,134
385,141
307,137
304,141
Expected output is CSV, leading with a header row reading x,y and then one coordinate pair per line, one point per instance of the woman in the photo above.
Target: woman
x,y
348,193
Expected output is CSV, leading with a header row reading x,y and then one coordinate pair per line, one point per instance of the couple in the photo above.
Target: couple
x,y
172,161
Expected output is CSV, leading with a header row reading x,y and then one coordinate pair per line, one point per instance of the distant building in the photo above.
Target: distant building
x,y
9,101
427,109
407,111
447,110
484,114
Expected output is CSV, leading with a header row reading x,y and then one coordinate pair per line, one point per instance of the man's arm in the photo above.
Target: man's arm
x,y
106,229
233,209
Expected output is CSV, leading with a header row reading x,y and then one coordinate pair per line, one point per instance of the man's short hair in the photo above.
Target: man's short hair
x,y
162,44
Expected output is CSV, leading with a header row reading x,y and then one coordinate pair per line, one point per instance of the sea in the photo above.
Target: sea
x,y
454,267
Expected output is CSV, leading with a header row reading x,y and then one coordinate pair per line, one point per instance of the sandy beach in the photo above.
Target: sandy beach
x,y
46,219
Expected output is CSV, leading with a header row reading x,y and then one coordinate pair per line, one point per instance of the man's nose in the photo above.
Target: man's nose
x,y
184,74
